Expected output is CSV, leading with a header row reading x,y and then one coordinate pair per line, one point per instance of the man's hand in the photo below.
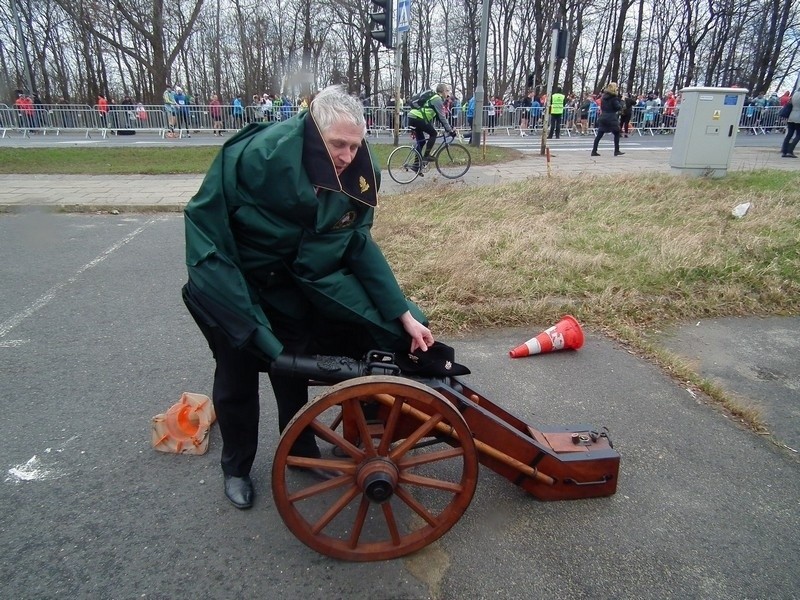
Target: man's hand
x,y
421,336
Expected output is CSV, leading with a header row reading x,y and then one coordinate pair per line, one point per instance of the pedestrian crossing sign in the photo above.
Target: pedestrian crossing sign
x,y
403,15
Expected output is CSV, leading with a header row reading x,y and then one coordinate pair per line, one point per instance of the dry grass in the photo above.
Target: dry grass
x,y
638,250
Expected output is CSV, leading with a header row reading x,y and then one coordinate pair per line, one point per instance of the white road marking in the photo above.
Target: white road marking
x,y
12,343
47,297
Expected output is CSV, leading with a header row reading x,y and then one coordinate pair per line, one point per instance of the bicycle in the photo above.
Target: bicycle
x,y
451,158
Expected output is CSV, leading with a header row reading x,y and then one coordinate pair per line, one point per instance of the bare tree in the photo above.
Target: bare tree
x,y
152,19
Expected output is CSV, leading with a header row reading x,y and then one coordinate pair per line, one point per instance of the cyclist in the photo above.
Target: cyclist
x,y
421,120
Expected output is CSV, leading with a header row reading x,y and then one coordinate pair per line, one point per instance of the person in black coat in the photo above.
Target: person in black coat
x,y
608,121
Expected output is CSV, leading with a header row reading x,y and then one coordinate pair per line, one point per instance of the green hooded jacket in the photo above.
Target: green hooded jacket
x,y
273,228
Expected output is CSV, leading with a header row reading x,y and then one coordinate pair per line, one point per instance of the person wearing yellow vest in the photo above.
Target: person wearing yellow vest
x,y
422,121
556,113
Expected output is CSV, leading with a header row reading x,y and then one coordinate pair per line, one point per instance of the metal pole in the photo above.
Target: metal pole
x,y
22,47
550,71
398,58
477,119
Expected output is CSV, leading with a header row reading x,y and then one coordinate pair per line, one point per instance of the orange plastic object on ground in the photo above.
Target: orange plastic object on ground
x,y
564,335
185,427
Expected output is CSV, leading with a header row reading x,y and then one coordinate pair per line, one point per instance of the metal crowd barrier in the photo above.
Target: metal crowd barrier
x,y
53,119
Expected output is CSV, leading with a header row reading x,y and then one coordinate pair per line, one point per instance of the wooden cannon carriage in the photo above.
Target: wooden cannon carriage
x,y
404,462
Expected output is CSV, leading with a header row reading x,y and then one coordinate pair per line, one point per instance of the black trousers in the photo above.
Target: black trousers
x,y
236,385
421,128
792,129
555,127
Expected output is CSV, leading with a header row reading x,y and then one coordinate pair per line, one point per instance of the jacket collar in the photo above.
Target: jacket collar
x,y
358,179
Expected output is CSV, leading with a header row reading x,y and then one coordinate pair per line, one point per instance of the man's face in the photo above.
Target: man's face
x,y
343,139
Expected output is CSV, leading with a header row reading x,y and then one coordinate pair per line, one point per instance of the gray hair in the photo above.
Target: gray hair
x,y
334,104
442,88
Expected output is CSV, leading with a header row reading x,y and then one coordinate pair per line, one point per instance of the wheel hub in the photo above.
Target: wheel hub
x,y
377,478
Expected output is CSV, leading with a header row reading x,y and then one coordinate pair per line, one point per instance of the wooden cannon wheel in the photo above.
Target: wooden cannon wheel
x,y
402,463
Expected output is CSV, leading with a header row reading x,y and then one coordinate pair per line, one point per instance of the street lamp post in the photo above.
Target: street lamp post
x,y
477,119
22,47
550,73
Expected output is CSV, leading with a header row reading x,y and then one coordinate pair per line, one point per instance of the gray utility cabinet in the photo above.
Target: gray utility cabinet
x,y
708,121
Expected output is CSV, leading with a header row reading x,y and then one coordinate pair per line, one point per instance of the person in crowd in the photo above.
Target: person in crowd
x,y
525,113
141,114
422,121
215,110
25,110
470,112
570,112
281,261
583,114
608,121
628,103
127,114
792,127
491,115
265,107
536,111
286,108
182,111
102,110
669,110
556,113
170,108
237,112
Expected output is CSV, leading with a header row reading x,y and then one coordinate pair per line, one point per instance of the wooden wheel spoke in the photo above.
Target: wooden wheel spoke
x,y
319,488
355,412
430,482
418,508
391,424
330,436
421,431
391,522
409,462
335,509
358,524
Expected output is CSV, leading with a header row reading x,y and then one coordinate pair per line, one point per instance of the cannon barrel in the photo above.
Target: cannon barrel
x,y
332,369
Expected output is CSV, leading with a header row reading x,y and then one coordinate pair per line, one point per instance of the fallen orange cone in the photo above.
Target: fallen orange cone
x,y
564,335
185,427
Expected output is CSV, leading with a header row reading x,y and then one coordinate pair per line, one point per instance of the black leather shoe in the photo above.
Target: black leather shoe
x,y
618,153
595,153
239,491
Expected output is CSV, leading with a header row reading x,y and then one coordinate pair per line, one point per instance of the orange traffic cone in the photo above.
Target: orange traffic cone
x,y
184,428
564,335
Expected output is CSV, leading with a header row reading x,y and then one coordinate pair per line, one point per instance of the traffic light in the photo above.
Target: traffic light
x,y
562,43
384,20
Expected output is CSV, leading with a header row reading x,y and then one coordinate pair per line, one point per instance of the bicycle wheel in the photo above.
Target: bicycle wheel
x,y
404,164
453,160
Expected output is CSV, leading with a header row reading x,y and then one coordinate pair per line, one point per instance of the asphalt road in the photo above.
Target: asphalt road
x,y
94,341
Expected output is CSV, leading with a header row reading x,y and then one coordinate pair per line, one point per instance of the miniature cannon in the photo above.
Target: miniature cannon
x,y
404,462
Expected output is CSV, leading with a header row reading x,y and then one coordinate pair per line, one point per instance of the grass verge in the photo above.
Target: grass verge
x,y
112,160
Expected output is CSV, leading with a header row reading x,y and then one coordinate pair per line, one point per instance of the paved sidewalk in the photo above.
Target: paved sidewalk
x,y
173,191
